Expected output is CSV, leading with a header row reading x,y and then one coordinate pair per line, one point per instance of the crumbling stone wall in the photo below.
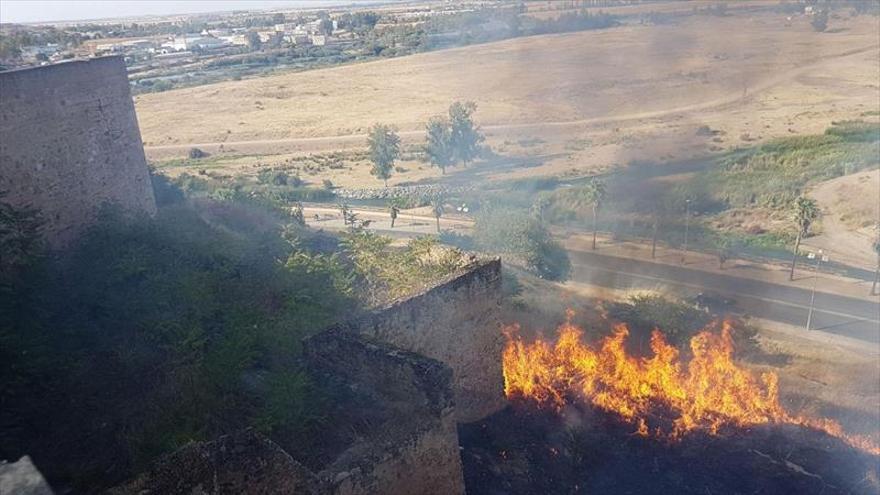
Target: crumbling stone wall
x,y
457,322
420,361
69,141
245,462
414,451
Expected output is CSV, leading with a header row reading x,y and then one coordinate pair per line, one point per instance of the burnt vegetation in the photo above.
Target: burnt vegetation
x,y
526,449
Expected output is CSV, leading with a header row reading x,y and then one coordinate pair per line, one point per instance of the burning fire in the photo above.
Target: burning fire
x,y
659,395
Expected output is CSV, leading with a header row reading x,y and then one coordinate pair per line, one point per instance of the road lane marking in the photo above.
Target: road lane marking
x,y
739,294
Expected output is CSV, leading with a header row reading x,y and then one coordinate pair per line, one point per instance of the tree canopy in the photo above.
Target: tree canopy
x,y
806,211
384,146
439,143
465,136
453,138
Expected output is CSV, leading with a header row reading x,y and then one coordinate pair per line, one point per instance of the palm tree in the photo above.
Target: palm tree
x,y
394,208
540,207
594,195
806,211
437,208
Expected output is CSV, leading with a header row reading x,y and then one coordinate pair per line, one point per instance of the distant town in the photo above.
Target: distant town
x,y
187,50
167,52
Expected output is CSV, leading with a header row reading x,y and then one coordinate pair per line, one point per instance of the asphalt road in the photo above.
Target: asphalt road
x,y
850,317
846,316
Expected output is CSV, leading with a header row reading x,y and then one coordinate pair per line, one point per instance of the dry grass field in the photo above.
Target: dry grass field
x,y
850,212
571,104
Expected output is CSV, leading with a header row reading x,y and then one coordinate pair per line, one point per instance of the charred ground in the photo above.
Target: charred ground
x,y
526,449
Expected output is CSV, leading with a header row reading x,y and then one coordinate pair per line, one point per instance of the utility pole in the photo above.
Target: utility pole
x,y
820,257
876,247
687,221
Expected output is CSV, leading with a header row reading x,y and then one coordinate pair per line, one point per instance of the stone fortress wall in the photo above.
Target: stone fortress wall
x,y
456,322
69,141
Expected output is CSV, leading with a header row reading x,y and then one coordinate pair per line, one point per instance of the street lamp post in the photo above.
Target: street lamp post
x,y
819,257
687,221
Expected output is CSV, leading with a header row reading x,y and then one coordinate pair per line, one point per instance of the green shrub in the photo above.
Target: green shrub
x,y
517,233
775,173
196,153
141,335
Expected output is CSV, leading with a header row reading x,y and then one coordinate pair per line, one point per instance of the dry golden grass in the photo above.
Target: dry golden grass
x,y
592,99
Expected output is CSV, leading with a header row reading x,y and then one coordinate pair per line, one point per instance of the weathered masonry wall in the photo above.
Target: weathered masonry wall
x,y
413,450
456,322
69,141
411,372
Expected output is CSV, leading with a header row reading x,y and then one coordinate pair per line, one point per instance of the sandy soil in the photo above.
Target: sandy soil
x,y
568,104
850,217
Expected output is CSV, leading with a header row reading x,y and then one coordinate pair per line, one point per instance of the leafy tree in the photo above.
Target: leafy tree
x,y
297,214
465,136
439,143
253,41
384,146
540,206
326,26
138,337
437,209
594,196
806,211
196,153
723,249
9,48
820,21
520,235
349,217
385,273
276,178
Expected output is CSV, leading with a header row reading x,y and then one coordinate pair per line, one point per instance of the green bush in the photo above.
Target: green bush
x,y
141,337
517,233
775,173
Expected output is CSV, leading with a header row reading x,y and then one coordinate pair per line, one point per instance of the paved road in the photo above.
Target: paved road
x,y
847,316
850,317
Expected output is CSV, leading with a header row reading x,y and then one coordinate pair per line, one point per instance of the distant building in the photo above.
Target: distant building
x,y
318,39
235,39
181,43
266,36
189,42
217,33
287,27
298,39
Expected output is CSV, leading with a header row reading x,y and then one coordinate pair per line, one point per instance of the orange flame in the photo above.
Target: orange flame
x,y
708,393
